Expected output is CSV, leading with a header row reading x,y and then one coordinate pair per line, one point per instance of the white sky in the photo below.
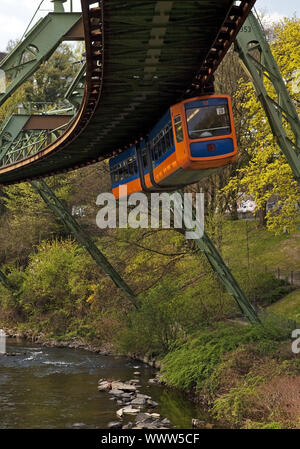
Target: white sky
x,y
15,15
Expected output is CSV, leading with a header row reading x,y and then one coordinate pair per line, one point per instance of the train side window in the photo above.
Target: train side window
x,y
156,152
163,145
125,168
130,167
171,137
167,137
134,164
178,128
144,159
116,176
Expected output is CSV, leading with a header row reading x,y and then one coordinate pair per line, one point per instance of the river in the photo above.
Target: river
x,y
55,388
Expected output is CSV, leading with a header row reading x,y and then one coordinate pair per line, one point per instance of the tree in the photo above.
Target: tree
x,y
268,175
51,81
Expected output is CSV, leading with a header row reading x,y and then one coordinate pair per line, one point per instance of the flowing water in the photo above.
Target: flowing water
x,y
54,388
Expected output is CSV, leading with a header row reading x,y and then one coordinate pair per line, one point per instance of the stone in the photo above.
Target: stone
x,y
119,402
152,381
198,423
136,373
78,425
142,418
134,381
120,413
128,426
155,415
138,401
129,410
145,396
127,395
122,386
166,422
104,386
115,392
152,403
114,425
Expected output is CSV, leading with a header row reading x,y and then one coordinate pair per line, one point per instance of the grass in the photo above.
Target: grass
x,y
289,306
266,251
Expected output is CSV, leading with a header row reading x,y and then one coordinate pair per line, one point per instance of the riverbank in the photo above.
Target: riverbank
x,y
231,370
45,372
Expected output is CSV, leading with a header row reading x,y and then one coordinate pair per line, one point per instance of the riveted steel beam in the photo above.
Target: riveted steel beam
x,y
83,239
37,46
207,247
256,57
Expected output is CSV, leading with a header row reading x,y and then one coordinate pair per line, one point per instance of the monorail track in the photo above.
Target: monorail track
x,y
142,56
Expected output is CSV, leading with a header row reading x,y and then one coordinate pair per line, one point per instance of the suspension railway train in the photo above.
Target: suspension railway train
x,y
194,138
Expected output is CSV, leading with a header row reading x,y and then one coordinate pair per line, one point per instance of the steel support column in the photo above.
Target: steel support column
x,y
73,226
205,245
256,56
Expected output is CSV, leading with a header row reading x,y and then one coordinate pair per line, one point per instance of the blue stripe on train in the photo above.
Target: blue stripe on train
x,y
201,149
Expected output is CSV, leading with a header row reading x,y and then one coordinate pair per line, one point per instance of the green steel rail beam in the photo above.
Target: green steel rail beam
x,y
256,56
205,245
76,90
216,261
73,226
141,57
10,132
38,45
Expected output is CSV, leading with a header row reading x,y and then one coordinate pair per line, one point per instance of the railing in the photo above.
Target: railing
x,y
31,143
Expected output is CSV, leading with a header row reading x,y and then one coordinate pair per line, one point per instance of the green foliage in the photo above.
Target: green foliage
x,y
168,315
53,77
268,175
262,288
192,365
234,405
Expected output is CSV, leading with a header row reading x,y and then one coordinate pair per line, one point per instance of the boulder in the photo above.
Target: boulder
x,y
198,423
104,386
114,425
145,396
155,415
116,392
152,403
127,395
129,410
152,381
138,401
78,425
166,422
120,413
122,386
143,418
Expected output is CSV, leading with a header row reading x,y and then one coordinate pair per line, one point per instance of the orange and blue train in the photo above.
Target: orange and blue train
x,y
193,139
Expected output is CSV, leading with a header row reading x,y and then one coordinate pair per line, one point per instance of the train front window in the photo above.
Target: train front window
x,y
208,121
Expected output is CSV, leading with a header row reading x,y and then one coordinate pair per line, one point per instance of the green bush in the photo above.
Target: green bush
x,y
263,288
194,363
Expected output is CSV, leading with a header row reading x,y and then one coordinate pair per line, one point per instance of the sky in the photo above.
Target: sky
x,y
15,15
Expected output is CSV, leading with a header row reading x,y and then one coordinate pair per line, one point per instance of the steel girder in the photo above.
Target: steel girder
x,y
141,57
256,56
38,45
83,239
